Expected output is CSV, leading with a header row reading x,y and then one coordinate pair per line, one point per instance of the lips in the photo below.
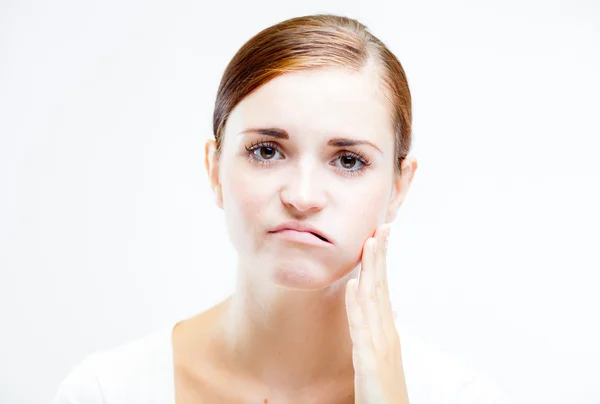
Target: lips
x,y
302,227
307,232
319,236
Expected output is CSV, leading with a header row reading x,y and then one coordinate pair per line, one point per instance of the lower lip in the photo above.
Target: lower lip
x,y
301,237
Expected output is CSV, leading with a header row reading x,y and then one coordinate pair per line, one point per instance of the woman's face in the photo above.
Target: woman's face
x,y
311,149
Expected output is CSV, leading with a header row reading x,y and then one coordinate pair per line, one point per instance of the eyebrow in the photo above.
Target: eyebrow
x,y
282,134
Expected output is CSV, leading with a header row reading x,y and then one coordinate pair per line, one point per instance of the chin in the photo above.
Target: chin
x,y
306,275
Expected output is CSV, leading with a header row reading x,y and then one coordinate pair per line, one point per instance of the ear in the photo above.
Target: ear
x,y
401,186
211,162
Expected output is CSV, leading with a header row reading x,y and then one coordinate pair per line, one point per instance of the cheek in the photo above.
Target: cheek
x,y
244,202
366,212
365,219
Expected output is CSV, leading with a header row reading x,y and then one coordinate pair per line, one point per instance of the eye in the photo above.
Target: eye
x,y
351,163
263,152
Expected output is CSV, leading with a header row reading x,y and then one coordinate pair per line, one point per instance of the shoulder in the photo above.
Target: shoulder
x,y
435,376
121,374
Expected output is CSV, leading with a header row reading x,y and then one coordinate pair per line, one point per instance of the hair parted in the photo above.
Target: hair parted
x,y
310,42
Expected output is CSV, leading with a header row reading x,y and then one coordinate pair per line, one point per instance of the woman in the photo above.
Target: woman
x,y
310,164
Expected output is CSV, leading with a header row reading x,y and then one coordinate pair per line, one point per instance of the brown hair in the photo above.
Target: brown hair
x,y
309,42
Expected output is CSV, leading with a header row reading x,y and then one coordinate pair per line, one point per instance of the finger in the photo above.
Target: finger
x,y
366,278
367,288
381,282
363,351
385,305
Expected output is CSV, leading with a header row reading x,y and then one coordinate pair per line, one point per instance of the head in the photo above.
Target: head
x,y
312,128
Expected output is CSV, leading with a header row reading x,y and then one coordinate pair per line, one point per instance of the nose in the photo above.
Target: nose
x,y
304,189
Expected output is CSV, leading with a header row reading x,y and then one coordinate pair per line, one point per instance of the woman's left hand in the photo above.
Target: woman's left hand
x,y
376,355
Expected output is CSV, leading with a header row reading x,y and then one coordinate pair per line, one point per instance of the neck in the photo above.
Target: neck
x,y
291,339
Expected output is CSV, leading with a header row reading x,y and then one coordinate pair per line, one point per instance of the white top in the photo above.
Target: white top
x,y
141,372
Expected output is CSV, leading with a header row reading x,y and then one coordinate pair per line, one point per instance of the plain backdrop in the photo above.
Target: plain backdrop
x,y
108,229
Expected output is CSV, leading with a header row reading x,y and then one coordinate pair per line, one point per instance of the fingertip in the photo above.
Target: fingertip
x,y
388,229
368,246
350,285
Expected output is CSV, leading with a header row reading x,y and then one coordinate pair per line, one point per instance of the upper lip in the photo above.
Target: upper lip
x,y
301,226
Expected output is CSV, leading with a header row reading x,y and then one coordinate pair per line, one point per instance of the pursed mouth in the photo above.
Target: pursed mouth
x,y
305,231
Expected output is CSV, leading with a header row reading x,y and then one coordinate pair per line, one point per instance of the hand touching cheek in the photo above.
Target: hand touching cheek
x,y
376,355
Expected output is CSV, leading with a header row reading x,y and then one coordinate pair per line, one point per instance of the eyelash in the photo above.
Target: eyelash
x,y
260,144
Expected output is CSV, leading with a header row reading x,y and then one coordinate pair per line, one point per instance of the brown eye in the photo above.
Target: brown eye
x,y
348,161
264,152
267,152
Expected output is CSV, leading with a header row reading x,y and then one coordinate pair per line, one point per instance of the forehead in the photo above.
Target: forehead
x,y
330,101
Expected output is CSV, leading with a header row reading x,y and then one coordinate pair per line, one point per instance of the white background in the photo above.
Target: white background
x,y
108,229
